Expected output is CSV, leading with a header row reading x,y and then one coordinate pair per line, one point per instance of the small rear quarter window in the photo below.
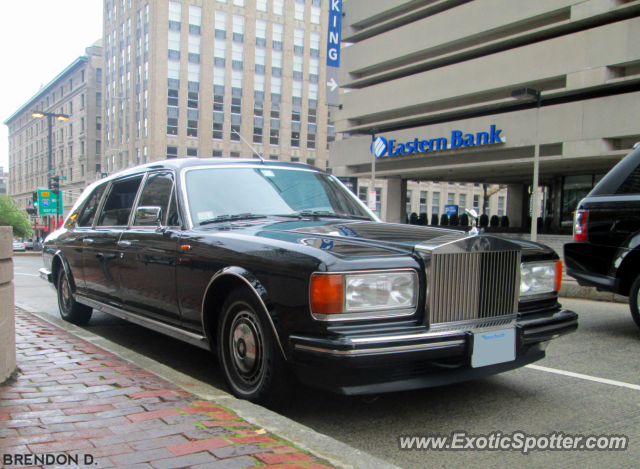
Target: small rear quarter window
x,y
631,185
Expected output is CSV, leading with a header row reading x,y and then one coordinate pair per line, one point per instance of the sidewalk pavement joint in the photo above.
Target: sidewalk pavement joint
x,y
78,394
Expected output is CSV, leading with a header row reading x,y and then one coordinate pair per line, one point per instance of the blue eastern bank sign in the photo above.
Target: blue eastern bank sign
x,y
383,147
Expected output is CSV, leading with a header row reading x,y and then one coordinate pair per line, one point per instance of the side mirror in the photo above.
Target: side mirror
x,y
146,216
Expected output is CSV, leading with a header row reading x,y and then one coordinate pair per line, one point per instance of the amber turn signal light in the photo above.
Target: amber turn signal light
x,y
326,294
558,275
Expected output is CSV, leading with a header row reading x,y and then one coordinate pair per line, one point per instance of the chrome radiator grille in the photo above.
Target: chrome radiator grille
x,y
469,286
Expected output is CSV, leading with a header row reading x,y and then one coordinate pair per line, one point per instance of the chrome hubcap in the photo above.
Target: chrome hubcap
x,y
246,347
65,292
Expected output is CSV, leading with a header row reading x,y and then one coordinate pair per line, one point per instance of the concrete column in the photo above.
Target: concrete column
x,y
396,207
7,315
516,195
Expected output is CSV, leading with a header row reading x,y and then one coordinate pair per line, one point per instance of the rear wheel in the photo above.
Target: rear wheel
x,y
634,300
250,357
70,310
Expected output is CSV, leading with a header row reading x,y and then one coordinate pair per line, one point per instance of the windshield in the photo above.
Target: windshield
x,y
213,192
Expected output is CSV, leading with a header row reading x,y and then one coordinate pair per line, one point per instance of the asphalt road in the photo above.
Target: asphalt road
x,y
530,400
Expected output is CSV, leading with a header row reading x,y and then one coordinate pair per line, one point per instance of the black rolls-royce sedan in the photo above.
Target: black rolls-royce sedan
x,y
284,273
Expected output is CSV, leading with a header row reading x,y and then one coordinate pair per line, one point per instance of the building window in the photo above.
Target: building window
x,y
424,195
217,130
99,99
311,141
192,152
193,100
500,206
98,123
216,153
261,5
238,28
195,17
435,203
236,105
172,97
173,69
278,33
476,203
299,11
451,198
261,33
192,128
278,7
408,205
221,24
172,152
295,139
257,135
274,137
172,126
218,102
462,203
193,72
314,43
235,154
316,15
235,133
276,63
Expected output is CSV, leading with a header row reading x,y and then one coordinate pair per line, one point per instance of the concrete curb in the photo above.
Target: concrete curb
x,y
304,437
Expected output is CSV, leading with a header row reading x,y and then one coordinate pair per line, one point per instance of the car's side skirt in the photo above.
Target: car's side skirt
x,y
171,331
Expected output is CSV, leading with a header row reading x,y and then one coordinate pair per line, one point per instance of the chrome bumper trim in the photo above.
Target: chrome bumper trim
x,y
400,348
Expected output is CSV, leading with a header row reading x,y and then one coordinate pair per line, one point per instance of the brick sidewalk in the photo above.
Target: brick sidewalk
x,y
72,398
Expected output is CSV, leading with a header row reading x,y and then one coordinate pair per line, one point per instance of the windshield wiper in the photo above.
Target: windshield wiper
x,y
323,214
239,216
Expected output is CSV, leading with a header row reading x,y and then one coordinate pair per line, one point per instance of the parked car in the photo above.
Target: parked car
x,y
283,272
28,244
606,250
19,246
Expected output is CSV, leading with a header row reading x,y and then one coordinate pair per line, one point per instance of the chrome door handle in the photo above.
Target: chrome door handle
x,y
124,244
87,241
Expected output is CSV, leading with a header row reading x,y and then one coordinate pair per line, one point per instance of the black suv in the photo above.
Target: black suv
x,y
606,231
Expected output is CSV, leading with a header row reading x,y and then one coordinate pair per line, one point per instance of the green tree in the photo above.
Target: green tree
x,y
11,215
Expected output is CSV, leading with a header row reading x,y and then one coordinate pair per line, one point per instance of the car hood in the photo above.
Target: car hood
x,y
351,238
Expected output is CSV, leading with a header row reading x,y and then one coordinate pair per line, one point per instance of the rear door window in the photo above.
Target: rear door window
x,y
119,203
88,213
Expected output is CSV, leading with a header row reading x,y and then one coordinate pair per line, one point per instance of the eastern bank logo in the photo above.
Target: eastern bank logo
x,y
382,147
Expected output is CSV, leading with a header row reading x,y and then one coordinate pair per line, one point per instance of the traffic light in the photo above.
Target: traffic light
x,y
55,183
33,210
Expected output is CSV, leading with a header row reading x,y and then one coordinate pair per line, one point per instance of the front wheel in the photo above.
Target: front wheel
x,y
634,300
251,360
70,310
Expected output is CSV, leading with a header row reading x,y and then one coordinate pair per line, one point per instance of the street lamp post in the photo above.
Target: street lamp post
x,y
50,116
530,94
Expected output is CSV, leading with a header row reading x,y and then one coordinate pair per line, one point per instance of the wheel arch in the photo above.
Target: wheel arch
x,y
60,262
221,284
628,270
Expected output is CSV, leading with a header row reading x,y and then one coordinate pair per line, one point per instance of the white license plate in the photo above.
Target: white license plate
x,y
493,347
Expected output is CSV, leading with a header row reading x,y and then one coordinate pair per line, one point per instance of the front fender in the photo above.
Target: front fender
x,y
59,261
220,282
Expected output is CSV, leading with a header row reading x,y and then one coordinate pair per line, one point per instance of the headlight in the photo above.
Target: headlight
x,y
361,292
540,277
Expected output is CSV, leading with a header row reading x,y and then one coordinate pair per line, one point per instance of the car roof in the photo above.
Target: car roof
x,y
181,163
614,178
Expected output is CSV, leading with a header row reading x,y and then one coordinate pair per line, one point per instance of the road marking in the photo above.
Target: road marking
x,y
30,275
586,377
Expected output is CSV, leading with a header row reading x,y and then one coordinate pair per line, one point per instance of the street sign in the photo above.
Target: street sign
x,y
47,202
372,200
450,210
333,52
63,178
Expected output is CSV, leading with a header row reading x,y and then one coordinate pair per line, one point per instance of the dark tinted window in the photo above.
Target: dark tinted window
x,y
91,207
173,217
156,193
118,206
632,184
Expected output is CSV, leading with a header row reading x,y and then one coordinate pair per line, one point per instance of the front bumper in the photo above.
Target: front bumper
x,y
45,274
385,363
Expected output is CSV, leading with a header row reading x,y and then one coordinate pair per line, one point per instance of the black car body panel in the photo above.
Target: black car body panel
x,y
174,277
608,259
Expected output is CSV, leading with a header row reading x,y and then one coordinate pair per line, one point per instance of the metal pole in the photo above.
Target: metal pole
x,y
50,158
373,170
536,172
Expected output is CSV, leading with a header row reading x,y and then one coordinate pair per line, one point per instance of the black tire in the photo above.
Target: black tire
x,y
634,300
70,310
261,377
